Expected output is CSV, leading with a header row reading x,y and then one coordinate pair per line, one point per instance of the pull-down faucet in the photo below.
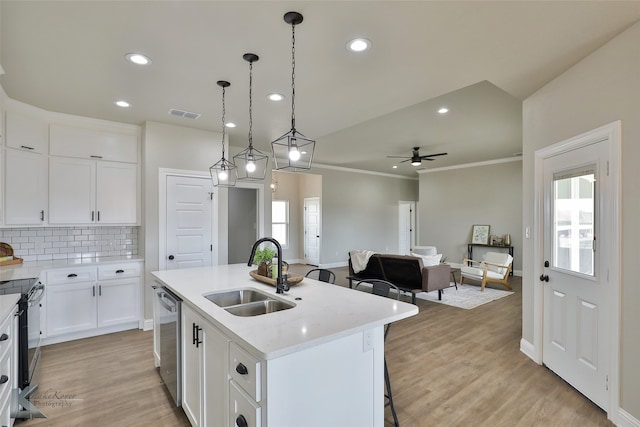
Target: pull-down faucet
x,y
281,283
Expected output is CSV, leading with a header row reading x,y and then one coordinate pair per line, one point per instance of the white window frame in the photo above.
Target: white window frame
x,y
287,220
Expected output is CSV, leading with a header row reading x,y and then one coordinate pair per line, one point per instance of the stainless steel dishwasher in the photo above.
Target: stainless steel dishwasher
x,y
168,307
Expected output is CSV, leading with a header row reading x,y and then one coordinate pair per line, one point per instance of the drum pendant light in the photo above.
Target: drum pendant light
x,y
251,163
293,151
223,172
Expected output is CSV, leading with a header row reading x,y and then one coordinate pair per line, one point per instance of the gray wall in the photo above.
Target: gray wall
x,y
360,211
602,88
453,200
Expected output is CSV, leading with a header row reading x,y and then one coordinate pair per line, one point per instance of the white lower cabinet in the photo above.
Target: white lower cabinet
x,y
306,387
8,363
204,371
80,304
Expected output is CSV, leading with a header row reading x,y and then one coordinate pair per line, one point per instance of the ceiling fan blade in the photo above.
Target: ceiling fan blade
x,y
404,161
398,157
433,155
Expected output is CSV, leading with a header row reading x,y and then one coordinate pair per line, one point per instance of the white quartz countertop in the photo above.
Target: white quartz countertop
x,y
8,304
32,269
323,312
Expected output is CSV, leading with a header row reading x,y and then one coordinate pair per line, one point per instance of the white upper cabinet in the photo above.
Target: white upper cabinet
x,y
25,188
87,143
92,192
27,131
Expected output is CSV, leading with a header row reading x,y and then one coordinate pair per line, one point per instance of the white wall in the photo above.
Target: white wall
x,y
453,200
601,89
173,147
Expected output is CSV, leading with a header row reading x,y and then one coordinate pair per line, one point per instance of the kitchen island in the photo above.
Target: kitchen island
x,y
319,363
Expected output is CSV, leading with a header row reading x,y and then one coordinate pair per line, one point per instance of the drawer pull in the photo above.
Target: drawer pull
x,y
4,337
4,379
72,275
26,147
241,421
119,271
241,369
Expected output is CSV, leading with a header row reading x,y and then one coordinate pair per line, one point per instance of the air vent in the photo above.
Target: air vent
x,y
182,113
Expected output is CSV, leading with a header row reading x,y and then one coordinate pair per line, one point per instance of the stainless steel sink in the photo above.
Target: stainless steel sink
x,y
260,307
235,297
248,302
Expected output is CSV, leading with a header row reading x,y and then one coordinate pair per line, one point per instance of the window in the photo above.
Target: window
x,y
280,221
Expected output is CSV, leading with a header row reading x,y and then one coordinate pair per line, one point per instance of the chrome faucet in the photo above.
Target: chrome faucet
x,y
281,283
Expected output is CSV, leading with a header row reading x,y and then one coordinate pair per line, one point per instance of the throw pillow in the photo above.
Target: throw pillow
x,y
429,260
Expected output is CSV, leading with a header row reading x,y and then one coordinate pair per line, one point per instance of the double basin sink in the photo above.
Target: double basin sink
x,y
248,302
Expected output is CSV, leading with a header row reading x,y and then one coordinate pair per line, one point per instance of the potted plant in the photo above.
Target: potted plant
x,y
262,258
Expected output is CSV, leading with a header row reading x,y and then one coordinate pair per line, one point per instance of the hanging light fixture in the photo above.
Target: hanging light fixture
x,y
223,172
251,163
293,150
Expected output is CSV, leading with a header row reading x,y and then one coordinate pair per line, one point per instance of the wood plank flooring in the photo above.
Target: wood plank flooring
x,y
448,367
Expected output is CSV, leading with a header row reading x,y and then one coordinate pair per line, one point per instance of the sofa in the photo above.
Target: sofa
x,y
408,273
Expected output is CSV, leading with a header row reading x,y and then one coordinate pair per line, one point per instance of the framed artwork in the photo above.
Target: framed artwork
x,y
480,234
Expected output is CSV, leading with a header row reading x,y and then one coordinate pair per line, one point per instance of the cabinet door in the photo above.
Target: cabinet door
x,y
215,362
72,184
25,188
191,366
71,308
27,132
118,301
117,193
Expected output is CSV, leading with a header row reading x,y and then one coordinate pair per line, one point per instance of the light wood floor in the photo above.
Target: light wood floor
x,y
448,367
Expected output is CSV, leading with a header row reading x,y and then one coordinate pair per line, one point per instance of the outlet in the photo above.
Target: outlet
x,y
367,341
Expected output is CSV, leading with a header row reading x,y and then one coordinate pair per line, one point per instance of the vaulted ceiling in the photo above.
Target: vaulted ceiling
x,y
479,59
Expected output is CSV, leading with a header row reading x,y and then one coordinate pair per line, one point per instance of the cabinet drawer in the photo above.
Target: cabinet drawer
x,y
6,335
5,375
242,406
246,371
70,275
118,271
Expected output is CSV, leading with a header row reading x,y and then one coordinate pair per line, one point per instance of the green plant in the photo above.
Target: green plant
x,y
263,255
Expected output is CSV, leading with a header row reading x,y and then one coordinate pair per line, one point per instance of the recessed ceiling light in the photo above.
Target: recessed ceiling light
x,y
395,166
443,110
358,45
138,58
230,125
275,97
122,103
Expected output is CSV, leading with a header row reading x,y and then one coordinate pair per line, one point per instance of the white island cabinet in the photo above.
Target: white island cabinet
x,y
320,363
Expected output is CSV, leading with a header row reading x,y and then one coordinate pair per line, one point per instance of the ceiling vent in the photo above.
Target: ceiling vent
x,y
182,113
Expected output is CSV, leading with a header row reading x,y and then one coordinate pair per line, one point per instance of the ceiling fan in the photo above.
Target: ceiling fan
x,y
416,158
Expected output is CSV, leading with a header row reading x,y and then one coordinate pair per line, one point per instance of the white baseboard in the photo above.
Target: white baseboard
x,y
335,264
295,261
625,419
527,348
147,325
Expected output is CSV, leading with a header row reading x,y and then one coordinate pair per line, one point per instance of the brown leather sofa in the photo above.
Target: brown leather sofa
x,y
406,272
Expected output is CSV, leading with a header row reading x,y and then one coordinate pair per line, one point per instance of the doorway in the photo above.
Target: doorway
x,y
406,227
576,304
243,223
312,230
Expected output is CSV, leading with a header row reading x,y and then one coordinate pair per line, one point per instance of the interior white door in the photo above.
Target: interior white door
x,y
189,222
576,268
406,227
312,230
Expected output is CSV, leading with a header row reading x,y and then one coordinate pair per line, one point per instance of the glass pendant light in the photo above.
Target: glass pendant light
x,y
251,163
293,151
223,172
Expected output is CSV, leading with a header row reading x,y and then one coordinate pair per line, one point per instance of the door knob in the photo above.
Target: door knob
x,y
544,278
546,263
171,257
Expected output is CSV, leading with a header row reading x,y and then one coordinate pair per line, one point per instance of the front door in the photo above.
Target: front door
x,y
575,274
189,222
312,230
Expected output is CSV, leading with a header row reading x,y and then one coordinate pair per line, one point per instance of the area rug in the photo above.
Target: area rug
x,y
466,296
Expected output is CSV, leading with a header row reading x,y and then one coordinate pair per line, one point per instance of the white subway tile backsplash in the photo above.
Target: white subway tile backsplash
x,y
35,244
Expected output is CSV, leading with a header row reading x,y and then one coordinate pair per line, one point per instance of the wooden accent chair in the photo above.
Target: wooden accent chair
x,y
495,267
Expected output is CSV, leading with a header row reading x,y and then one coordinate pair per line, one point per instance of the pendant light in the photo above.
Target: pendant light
x,y
293,150
251,163
223,172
